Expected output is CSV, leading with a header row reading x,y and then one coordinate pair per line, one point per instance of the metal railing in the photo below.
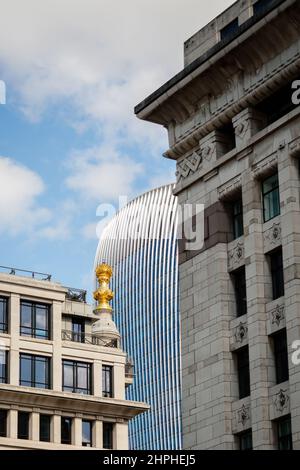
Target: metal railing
x,y
85,338
32,274
77,295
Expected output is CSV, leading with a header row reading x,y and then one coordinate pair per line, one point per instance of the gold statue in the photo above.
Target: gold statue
x,y
103,295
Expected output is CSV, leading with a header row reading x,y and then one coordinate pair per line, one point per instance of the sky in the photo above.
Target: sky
x,y
69,140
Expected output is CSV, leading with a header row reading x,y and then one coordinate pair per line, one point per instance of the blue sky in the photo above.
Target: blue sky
x,y
69,140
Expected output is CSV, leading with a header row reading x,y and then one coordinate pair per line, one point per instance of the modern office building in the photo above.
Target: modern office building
x,y
62,371
234,133
140,242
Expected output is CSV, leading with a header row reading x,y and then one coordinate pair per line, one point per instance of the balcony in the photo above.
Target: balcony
x,y
85,338
25,272
76,295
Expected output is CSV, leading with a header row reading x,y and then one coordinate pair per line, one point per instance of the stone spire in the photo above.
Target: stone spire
x,y
105,327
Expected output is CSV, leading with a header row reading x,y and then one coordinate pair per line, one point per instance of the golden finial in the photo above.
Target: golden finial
x,y
103,295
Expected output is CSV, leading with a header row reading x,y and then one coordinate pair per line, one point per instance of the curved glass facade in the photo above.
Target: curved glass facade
x,y
146,311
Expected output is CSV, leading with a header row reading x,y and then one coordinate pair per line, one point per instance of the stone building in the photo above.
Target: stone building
x,y
234,133
62,370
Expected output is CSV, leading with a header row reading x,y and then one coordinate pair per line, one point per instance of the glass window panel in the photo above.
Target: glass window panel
x,y
66,430
45,428
68,375
87,433
82,377
23,425
41,372
26,370
107,435
3,423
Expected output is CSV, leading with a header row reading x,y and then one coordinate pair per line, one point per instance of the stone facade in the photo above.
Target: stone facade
x,y
54,401
227,134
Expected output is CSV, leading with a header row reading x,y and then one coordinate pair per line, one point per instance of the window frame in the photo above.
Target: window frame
x,y
281,357
3,430
27,425
4,324
74,388
237,217
90,442
69,440
238,277
266,194
286,437
245,435
4,367
49,424
110,427
33,330
277,274
33,383
78,337
243,372
107,379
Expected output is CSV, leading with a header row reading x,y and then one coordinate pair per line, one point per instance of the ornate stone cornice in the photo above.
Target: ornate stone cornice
x,y
189,166
230,188
265,167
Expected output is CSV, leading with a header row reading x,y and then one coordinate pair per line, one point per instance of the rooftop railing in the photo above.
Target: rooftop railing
x,y
78,295
25,272
85,338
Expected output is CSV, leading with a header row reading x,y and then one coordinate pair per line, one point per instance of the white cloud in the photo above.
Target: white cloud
x,y
102,174
20,189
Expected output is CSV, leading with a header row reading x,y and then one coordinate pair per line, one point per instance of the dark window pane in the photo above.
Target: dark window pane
x,y
108,436
261,6
3,315
107,381
45,428
237,219
239,281
23,425
284,428
78,330
277,274
3,366
281,357
245,439
87,433
3,423
243,372
271,200
66,430
229,29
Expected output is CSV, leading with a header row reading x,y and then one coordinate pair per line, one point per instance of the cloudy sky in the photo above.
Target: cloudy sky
x,y
69,140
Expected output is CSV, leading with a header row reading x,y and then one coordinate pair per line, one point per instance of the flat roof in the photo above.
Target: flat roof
x,y
206,56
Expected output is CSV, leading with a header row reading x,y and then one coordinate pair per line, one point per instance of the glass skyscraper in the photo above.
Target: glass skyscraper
x,y
140,243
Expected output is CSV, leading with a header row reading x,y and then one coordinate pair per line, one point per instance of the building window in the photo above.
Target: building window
x,y
239,282
66,430
35,319
281,356
23,425
77,377
78,330
271,200
230,29
3,423
243,372
108,429
260,6
284,434
245,440
107,381
45,428
3,366
3,315
87,430
34,371
276,265
237,219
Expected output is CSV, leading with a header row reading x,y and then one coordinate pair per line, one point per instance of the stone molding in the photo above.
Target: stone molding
x,y
272,237
236,255
228,190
